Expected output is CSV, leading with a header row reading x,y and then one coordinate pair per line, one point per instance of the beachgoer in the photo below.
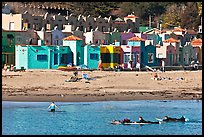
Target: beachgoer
x,y
12,67
163,66
130,64
195,66
138,65
52,107
169,119
5,67
100,65
155,75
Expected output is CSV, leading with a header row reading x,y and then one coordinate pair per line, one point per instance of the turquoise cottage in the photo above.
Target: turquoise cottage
x,y
91,56
41,56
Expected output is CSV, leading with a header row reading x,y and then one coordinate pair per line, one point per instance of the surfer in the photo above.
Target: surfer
x,y
169,119
52,107
141,120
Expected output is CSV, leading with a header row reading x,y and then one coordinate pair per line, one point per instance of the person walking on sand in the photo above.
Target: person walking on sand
x,y
163,66
52,107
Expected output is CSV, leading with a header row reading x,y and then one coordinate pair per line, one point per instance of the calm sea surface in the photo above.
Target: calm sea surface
x,y
85,118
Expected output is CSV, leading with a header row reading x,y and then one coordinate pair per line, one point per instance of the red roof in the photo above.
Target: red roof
x,y
171,40
72,37
196,42
131,16
136,39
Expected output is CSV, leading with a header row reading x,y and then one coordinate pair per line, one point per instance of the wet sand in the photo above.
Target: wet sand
x,y
50,85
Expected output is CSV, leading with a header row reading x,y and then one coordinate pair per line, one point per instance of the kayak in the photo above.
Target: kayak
x,y
116,122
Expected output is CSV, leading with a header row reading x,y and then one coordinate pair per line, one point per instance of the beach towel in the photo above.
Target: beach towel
x,y
85,76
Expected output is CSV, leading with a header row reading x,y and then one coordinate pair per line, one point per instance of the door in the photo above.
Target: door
x,y
78,59
170,59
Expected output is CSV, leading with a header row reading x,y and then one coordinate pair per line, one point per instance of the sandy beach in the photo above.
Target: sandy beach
x,y
50,85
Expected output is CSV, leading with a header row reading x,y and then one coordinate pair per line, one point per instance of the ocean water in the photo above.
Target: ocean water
x,y
93,118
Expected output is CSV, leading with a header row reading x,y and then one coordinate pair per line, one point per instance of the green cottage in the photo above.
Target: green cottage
x,y
8,47
41,56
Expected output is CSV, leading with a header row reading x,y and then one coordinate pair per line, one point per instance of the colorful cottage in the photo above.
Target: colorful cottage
x,y
131,51
8,47
125,36
170,52
115,37
10,38
145,55
174,56
189,54
77,51
91,56
197,44
41,56
107,40
110,55
94,37
150,55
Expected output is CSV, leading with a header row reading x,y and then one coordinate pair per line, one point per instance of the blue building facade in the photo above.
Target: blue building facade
x,y
91,56
41,57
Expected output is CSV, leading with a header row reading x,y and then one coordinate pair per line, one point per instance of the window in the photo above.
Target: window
x,y
55,59
48,27
42,57
160,55
150,57
11,26
64,59
105,57
126,58
90,27
94,56
103,28
81,28
124,42
28,26
10,38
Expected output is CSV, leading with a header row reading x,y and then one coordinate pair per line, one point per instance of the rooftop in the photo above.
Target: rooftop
x,y
196,42
136,39
171,40
72,37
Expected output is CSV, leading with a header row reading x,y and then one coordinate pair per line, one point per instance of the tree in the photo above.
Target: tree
x,y
172,16
190,17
